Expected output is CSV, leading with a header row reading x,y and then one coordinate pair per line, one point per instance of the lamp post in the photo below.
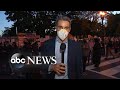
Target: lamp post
x,y
102,14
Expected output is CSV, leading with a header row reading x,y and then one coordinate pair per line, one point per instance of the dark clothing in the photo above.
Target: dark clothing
x,y
109,45
75,65
96,54
85,58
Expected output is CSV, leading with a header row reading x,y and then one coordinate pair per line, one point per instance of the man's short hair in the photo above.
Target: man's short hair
x,y
64,18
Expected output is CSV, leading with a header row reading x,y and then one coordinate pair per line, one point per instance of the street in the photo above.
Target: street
x,y
108,69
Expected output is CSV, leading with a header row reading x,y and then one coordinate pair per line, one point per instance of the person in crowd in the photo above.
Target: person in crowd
x,y
86,51
96,57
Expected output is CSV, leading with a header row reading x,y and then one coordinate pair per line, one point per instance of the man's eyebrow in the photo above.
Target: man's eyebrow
x,y
62,26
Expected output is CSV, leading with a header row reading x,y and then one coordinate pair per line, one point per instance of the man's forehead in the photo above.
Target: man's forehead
x,y
63,21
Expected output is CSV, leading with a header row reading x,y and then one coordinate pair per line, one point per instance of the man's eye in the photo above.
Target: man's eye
x,y
66,28
60,27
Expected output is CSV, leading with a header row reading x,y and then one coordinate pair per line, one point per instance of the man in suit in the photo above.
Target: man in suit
x,y
72,66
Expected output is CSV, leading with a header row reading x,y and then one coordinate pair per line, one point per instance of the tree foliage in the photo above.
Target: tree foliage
x,y
43,22
113,27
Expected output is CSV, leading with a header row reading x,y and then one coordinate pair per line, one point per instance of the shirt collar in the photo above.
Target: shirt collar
x,y
58,40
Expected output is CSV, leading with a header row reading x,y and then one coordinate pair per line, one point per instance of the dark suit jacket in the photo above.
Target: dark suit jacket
x,y
74,57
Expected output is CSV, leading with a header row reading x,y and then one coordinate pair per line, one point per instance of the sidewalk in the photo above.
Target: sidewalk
x,y
93,75
108,69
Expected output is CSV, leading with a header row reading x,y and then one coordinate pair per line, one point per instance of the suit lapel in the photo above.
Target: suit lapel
x,y
53,47
71,60
69,50
69,63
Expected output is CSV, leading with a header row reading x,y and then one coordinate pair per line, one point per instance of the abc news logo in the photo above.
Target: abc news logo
x,y
18,58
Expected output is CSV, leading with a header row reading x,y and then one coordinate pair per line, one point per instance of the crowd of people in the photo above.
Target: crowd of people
x,y
7,49
76,53
93,49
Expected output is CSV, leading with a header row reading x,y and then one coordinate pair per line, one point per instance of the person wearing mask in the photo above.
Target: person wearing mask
x,y
72,67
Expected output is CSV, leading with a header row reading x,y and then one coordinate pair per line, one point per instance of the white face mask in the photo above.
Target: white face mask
x,y
62,34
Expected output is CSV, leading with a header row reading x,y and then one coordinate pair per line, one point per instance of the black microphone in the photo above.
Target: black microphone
x,y
62,50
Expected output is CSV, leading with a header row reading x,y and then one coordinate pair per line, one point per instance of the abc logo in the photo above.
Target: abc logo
x,y
18,58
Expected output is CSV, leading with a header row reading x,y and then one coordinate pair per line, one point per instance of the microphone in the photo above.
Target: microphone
x,y
62,50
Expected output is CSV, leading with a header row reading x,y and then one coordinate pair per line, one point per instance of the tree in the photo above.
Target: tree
x,y
8,32
43,22
113,24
